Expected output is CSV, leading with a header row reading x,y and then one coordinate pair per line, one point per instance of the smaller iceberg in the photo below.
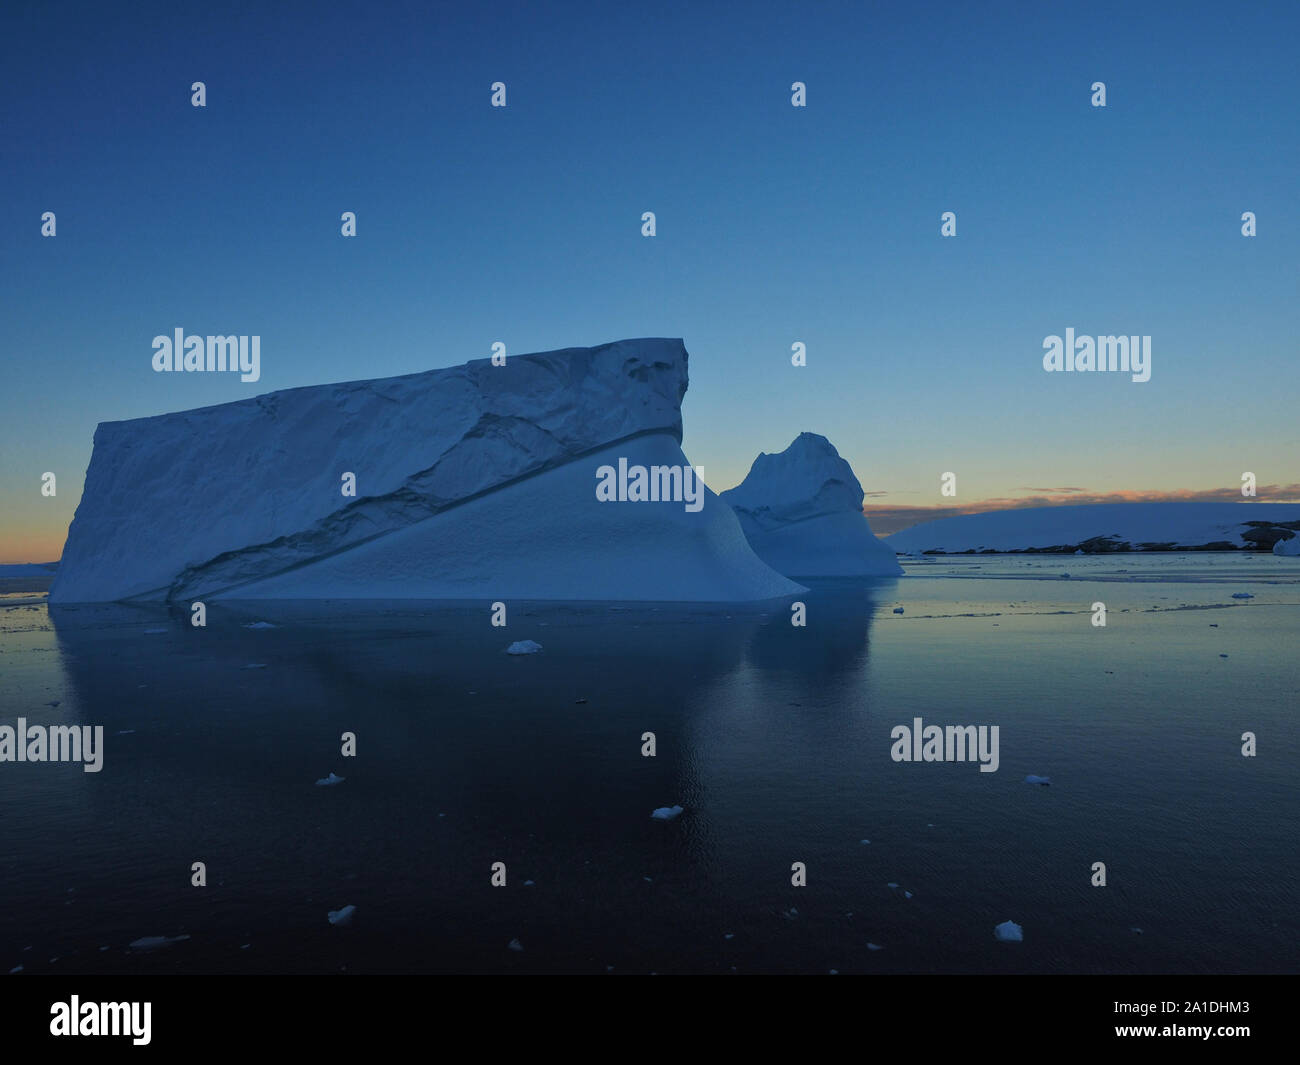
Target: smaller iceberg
x,y
342,917
330,781
523,647
666,813
1009,932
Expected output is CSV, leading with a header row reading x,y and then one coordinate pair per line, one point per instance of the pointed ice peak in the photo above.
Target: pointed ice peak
x,y
808,478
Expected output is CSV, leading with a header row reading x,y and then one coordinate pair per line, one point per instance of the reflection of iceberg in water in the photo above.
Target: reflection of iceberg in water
x,y
536,760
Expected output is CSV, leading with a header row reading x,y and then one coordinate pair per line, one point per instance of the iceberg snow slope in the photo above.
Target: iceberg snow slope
x,y
801,511
474,481
1107,527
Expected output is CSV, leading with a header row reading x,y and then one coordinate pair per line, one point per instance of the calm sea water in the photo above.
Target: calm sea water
x,y
775,739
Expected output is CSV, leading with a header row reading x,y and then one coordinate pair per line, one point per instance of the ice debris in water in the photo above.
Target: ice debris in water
x,y
1031,779
514,944
155,942
874,946
523,647
343,916
666,813
1242,595
898,610
330,781
260,625
1009,932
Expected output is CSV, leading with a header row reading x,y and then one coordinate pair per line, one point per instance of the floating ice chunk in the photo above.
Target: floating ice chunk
x,y
154,632
529,883
1137,930
1009,932
1242,595
874,946
667,813
155,942
343,916
834,972
1031,779
892,885
523,647
1223,656
254,665
907,894
330,781
15,969
898,610
126,732
728,935
864,842
1066,575
244,946
514,944
260,625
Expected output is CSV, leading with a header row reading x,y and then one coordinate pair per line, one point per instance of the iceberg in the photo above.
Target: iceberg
x,y
801,511
1289,547
472,482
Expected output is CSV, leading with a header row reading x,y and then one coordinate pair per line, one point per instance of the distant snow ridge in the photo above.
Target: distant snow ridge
x,y
801,511
1100,528
472,481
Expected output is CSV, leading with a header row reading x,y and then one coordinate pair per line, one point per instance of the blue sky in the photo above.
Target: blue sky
x,y
775,224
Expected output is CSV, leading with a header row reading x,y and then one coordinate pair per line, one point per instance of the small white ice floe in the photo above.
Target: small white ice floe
x,y
330,781
898,610
514,944
1009,932
260,625
524,647
1242,595
864,842
155,942
666,813
907,894
343,916
1031,779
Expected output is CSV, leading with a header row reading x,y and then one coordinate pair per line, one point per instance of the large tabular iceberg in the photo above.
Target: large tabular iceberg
x,y
477,481
802,514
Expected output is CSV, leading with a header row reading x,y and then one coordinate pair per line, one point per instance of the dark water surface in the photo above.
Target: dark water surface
x,y
775,739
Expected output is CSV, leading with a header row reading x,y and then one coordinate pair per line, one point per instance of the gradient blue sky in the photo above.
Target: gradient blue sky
x,y
775,224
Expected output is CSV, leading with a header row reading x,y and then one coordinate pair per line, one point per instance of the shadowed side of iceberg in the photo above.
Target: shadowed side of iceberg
x,y
549,537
